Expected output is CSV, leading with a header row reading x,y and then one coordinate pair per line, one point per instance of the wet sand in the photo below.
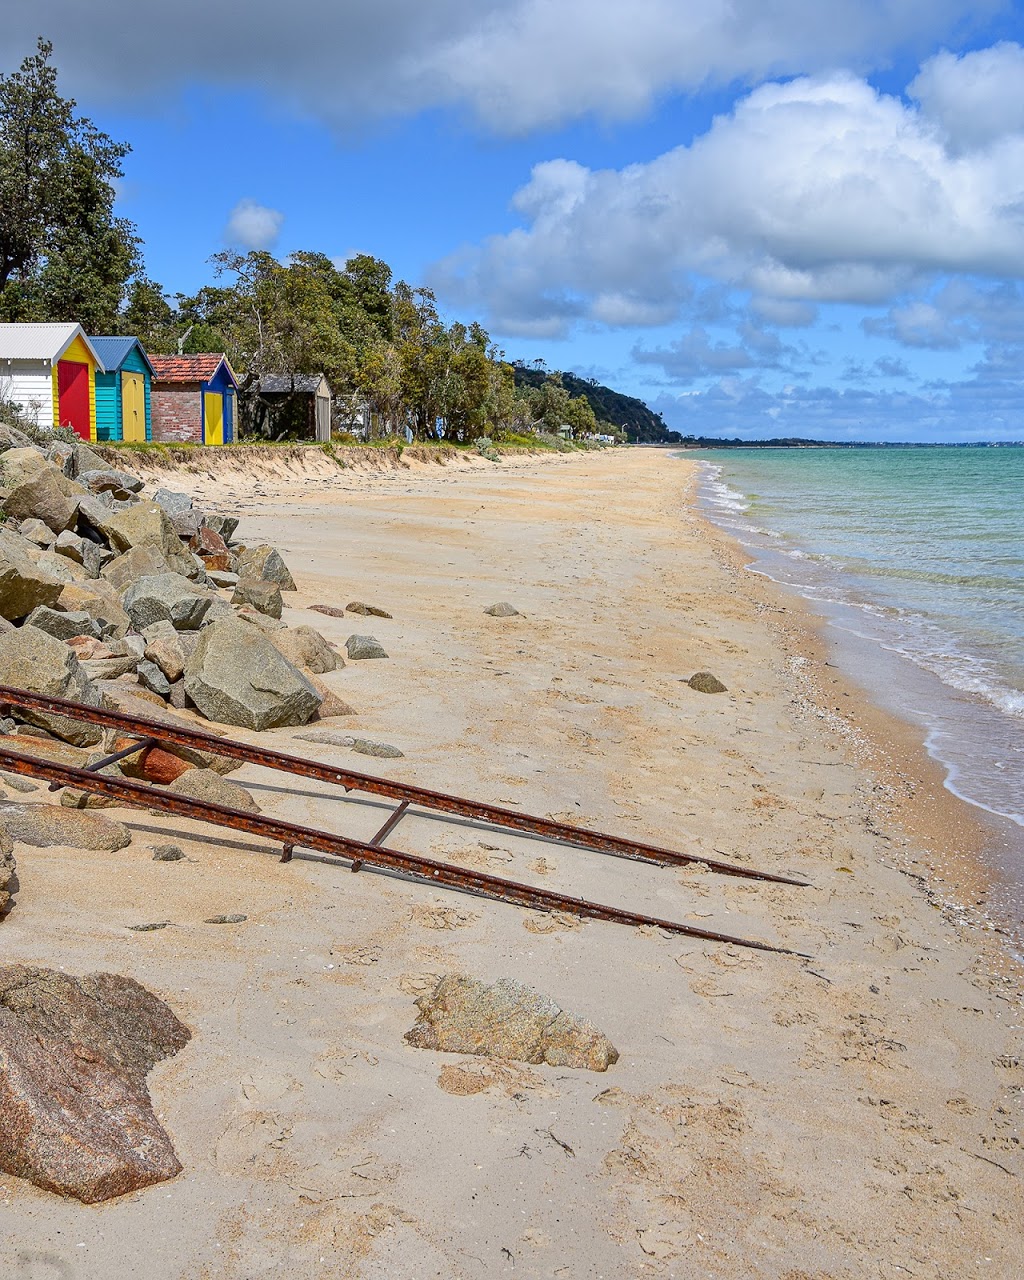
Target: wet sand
x,y
853,1115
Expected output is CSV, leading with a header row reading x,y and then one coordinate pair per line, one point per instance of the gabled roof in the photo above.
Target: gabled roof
x,y
115,351
286,383
41,341
197,368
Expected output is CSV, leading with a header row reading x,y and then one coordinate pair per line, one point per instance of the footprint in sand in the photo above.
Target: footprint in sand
x,y
443,917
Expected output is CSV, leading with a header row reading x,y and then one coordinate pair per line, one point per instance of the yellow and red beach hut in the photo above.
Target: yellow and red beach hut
x,y
50,371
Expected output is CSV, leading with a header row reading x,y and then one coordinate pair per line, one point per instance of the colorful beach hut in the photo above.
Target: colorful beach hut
x,y
193,399
50,371
123,390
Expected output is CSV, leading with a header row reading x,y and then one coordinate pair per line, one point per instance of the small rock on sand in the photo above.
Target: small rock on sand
x,y
360,647
507,1020
367,610
705,682
383,750
167,853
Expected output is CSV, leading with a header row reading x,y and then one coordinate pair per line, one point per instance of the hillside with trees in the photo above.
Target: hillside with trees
x,y
629,416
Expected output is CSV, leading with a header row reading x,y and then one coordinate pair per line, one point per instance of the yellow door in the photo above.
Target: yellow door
x,y
133,406
213,417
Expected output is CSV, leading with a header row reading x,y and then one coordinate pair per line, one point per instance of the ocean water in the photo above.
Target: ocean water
x,y
916,557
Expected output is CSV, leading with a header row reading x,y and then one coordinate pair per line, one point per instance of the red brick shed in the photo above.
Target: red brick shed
x,y
193,399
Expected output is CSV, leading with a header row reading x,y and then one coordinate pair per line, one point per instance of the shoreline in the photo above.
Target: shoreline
x,y
964,842
855,1114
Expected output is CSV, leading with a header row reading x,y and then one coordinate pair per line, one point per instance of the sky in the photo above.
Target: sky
x,y
762,217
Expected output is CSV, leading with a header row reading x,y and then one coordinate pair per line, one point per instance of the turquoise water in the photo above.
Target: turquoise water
x,y
916,556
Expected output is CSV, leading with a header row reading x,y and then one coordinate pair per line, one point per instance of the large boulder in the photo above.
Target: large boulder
x,y
259,594
99,600
236,676
207,784
90,555
107,480
39,492
58,566
507,1020
224,525
169,648
41,535
172,502
264,562
75,1114
134,702
83,459
47,826
12,438
167,597
63,626
23,585
305,647
32,660
138,562
142,523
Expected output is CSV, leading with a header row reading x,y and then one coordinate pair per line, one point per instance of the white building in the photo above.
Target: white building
x,y
49,370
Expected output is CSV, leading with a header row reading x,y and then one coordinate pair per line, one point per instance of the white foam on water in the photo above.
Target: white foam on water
x,y
959,735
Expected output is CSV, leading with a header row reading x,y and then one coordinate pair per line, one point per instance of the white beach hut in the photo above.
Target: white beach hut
x,y
49,370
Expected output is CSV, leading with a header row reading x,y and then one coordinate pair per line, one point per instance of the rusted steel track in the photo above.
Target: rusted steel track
x,y
290,835
181,735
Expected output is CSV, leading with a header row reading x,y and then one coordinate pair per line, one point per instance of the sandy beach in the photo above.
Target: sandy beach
x,y
852,1115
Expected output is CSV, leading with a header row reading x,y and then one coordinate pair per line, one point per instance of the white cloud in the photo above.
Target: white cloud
x,y
820,189
253,226
976,98
515,64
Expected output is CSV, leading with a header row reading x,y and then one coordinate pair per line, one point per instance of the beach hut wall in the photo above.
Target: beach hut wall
x,y
194,399
124,391
49,370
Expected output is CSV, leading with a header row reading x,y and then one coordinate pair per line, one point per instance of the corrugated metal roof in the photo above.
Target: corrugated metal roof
x,y
196,368
114,351
283,383
38,341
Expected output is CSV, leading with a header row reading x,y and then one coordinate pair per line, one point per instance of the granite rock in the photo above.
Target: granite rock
x,y
360,648
507,1020
236,676
32,660
75,1114
47,825
305,647
265,563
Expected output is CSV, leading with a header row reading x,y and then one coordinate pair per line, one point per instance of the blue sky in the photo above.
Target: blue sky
x,y
764,217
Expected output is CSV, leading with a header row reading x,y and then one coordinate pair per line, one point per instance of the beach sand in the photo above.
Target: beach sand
x,y
853,1115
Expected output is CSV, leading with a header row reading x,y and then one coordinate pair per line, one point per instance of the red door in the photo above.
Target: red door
x,y
73,397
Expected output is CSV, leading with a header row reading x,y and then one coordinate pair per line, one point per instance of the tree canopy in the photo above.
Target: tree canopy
x,y
63,253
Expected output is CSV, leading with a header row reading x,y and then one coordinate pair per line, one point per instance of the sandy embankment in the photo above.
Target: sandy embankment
x,y
856,1115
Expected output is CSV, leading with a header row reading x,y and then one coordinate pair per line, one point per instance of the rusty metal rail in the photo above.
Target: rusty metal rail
x,y
181,735
290,835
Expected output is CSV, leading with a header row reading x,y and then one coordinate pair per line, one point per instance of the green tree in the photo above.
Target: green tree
x,y
63,253
149,316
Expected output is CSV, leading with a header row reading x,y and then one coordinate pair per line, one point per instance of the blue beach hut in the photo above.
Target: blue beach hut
x,y
124,391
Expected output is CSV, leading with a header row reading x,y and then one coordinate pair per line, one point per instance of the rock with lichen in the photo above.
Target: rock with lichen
x,y
506,1019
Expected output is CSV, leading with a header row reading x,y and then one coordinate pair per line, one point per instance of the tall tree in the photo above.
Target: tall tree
x,y
63,253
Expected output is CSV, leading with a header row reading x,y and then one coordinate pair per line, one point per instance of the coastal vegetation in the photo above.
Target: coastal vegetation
x,y
395,364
